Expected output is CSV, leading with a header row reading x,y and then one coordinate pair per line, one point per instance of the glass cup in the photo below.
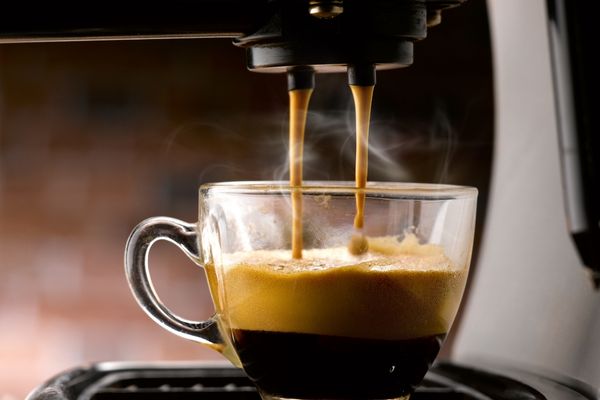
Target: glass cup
x,y
333,324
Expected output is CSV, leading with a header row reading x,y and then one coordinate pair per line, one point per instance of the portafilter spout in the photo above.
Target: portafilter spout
x,y
330,35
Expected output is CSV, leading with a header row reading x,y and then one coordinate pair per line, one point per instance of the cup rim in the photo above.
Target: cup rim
x,y
411,189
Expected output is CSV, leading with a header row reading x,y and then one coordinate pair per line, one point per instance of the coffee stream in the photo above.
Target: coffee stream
x,y
363,96
299,99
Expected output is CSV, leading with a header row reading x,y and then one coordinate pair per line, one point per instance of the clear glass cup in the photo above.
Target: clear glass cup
x,y
333,324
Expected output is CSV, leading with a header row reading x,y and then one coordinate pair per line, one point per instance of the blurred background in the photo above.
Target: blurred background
x,y
97,136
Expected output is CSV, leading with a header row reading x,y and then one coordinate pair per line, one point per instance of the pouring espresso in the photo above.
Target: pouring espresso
x,y
362,83
300,86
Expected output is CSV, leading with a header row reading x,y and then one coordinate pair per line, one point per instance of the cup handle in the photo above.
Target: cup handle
x,y
140,241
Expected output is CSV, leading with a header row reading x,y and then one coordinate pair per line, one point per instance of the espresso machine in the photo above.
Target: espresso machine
x,y
301,38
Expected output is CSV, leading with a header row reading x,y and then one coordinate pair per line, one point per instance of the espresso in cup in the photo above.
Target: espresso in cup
x,y
334,325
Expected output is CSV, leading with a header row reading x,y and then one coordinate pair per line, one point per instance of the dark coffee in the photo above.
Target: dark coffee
x,y
335,326
309,366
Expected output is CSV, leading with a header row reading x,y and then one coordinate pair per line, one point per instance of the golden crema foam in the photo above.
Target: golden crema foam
x,y
398,290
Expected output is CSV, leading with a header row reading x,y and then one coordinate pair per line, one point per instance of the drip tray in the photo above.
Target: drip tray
x,y
165,381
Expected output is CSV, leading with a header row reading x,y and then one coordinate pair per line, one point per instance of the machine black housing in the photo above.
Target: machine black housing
x,y
276,33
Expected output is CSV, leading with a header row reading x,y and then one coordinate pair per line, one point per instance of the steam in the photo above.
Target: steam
x,y
398,151
329,149
242,147
220,149
442,136
382,148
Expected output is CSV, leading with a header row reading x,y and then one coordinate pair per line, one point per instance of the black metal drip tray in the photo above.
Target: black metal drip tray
x,y
166,381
